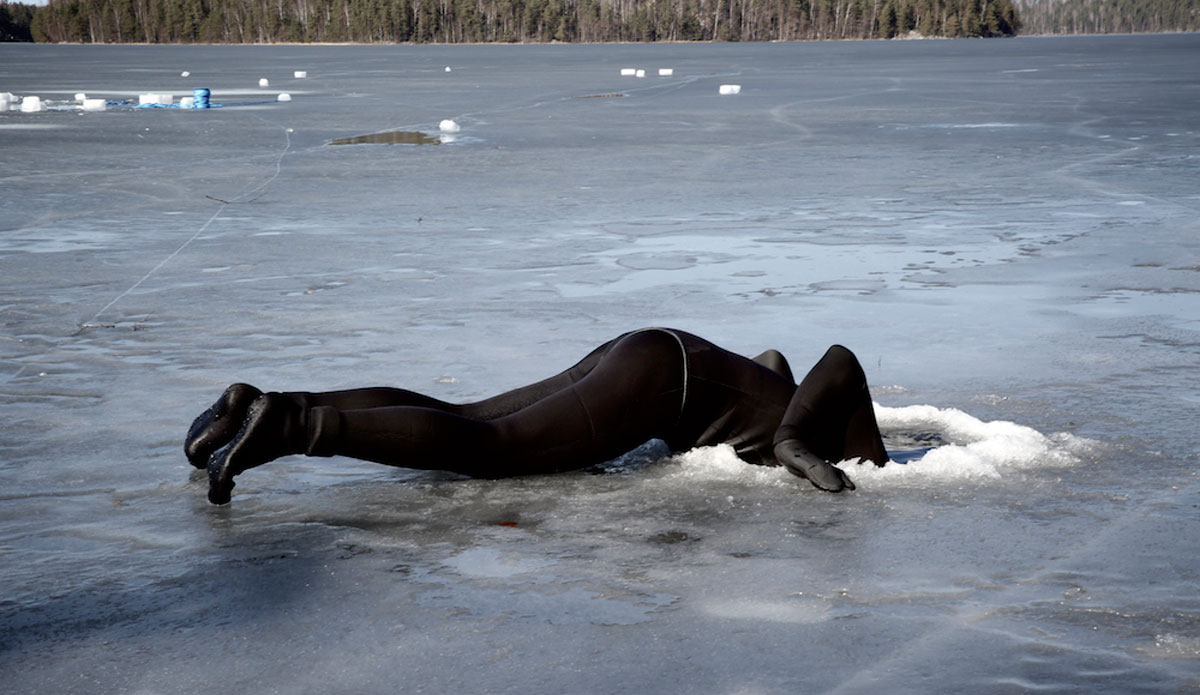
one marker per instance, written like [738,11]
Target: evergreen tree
[16,22]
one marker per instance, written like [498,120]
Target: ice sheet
[1004,232]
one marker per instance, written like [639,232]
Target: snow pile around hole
[721,464]
[970,447]
[950,445]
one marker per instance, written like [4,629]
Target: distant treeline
[1108,16]
[488,21]
[491,21]
[15,21]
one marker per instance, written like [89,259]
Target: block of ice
[300,74]
[641,73]
[730,89]
[185,73]
[154,98]
[628,72]
[449,126]
[80,96]
[5,101]
[447,68]
[94,104]
[31,104]
[284,97]
[666,72]
[264,82]
[186,102]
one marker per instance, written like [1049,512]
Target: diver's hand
[800,461]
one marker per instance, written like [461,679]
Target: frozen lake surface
[1005,231]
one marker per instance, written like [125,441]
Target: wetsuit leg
[839,422]
[487,409]
[279,424]
[633,393]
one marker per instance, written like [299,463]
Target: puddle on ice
[490,562]
[796,610]
[392,137]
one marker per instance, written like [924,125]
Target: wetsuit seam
[684,354]
[683,396]
[586,412]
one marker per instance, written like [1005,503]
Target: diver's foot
[217,425]
[272,428]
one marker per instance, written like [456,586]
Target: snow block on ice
[155,99]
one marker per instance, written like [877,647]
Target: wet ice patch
[491,583]
[1170,646]
[967,447]
[799,611]
[489,562]
[953,126]
[29,126]
[60,239]
[556,605]
[957,126]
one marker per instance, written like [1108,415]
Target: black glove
[800,461]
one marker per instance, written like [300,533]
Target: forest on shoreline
[511,21]
[588,21]
[1056,17]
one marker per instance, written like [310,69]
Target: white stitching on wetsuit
[683,351]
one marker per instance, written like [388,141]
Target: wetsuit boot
[275,425]
[216,426]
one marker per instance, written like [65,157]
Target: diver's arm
[792,453]
[802,462]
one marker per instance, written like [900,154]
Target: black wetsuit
[653,383]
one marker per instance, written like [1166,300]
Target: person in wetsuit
[654,383]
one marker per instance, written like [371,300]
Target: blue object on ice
[903,456]
[200,100]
